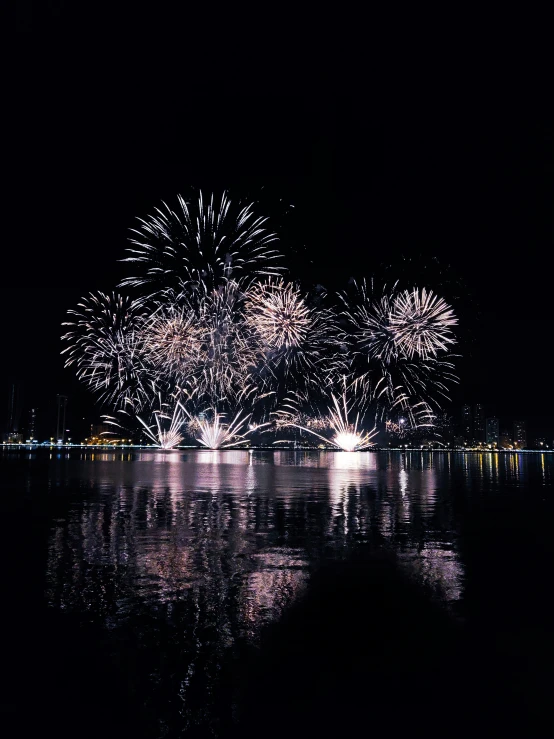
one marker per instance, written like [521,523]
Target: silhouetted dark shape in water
[364,652]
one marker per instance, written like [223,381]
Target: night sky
[451,169]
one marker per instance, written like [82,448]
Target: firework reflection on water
[207,550]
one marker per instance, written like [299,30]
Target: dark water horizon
[233,593]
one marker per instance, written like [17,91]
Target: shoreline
[152,448]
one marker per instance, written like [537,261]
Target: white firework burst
[422,322]
[227,354]
[397,362]
[166,433]
[278,313]
[172,339]
[215,434]
[298,342]
[344,422]
[163,427]
[211,430]
[207,240]
[215,317]
[104,343]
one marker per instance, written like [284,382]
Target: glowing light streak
[422,322]
[279,314]
[223,323]
[214,434]
[167,430]
[203,241]
[346,435]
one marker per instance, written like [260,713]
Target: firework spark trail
[369,319]
[221,321]
[398,337]
[299,342]
[279,314]
[165,438]
[214,434]
[397,429]
[422,322]
[203,241]
[217,435]
[104,344]
[166,431]
[227,352]
[374,332]
[347,434]
[406,384]
[172,339]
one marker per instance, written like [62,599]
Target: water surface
[161,581]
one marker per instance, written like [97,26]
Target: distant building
[493,432]
[466,422]
[33,424]
[60,425]
[442,428]
[105,434]
[520,434]
[101,429]
[506,439]
[12,437]
[479,433]
[540,443]
[14,408]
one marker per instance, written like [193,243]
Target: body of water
[239,593]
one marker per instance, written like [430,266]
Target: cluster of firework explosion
[213,343]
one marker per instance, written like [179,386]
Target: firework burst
[217,435]
[206,240]
[212,432]
[227,352]
[164,427]
[171,339]
[215,317]
[166,433]
[344,418]
[278,313]
[103,342]
[395,341]
[422,322]
[298,342]
[370,326]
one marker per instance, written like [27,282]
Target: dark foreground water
[219,594]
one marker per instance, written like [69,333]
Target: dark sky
[457,165]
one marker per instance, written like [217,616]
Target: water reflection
[169,517]
[216,545]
